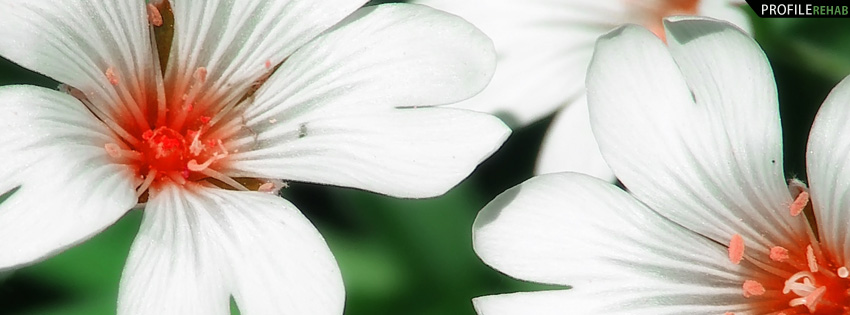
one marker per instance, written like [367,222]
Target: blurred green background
[415,256]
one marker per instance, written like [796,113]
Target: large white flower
[248,91]
[710,226]
[544,47]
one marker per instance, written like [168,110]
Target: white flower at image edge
[544,47]
[250,92]
[709,225]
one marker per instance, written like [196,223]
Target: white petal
[281,264]
[400,152]
[726,10]
[62,187]
[609,300]
[538,303]
[77,42]
[175,265]
[544,47]
[199,244]
[572,229]
[240,42]
[828,161]
[381,57]
[328,114]
[711,160]
[569,145]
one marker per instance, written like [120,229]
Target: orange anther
[779,254]
[110,75]
[268,64]
[799,204]
[753,288]
[154,16]
[201,75]
[113,150]
[811,259]
[736,249]
[266,187]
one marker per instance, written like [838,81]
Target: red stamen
[799,204]
[154,16]
[266,187]
[753,288]
[201,75]
[113,150]
[110,75]
[811,259]
[736,249]
[779,254]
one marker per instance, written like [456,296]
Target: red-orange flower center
[799,281]
[164,150]
[176,152]
[180,125]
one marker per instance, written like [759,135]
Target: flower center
[820,287]
[185,153]
[177,128]
[801,282]
[165,150]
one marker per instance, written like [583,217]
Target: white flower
[544,47]
[710,226]
[314,91]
